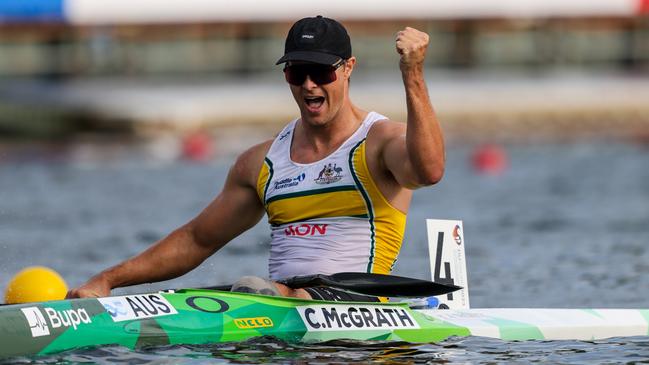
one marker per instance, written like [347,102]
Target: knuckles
[411,40]
[72,294]
[80,293]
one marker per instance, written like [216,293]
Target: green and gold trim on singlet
[387,223]
[368,202]
[312,192]
[318,203]
[264,179]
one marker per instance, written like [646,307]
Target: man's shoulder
[257,151]
[249,162]
[385,129]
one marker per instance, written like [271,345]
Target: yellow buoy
[35,284]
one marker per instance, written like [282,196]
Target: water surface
[567,225]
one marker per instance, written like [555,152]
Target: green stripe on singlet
[312,192]
[270,176]
[368,204]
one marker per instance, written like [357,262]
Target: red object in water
[198,146]
[490,159]
[643,7]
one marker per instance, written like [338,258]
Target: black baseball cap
[318,40]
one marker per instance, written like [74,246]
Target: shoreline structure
[474,106]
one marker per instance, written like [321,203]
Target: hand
[411,45]
[93,288]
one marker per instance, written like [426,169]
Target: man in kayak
[336,183]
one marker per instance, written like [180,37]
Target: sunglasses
[319,74]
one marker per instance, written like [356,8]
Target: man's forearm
[424,139]
[171,257]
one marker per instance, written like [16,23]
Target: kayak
[198,316]
[216,315]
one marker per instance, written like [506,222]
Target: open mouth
[314,102]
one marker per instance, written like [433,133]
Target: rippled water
[470,350]
[566,226]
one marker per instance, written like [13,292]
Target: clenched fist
[411,45]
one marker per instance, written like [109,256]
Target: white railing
[129,11]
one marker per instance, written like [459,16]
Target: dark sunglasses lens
[321,75]
[294,75]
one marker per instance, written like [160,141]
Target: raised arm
[415,157]
[234,210]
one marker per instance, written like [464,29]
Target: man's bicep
[397,162]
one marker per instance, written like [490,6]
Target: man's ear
[349,66]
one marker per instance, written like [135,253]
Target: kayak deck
[206,316]
[547,324]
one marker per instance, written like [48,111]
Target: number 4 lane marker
[447,260]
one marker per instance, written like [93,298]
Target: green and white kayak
[191,316]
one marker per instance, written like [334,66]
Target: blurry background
[506,68]
[119,119]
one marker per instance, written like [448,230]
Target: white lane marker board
[448,261]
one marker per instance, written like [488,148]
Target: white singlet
[327,216]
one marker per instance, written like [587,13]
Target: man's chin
[314,119]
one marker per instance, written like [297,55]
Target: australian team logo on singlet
[329,174]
